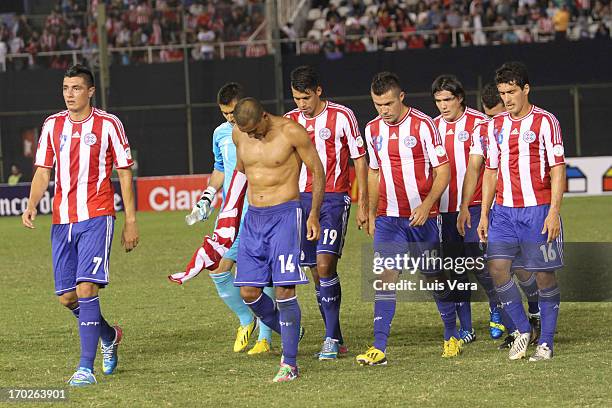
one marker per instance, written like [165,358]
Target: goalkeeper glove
[203,208]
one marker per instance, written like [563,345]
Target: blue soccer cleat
[496,327]
[109,352]
[467,336]
[330,349]
[82,378]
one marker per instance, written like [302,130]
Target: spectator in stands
[15,175]
[561,20]
[3,52]
[310,46]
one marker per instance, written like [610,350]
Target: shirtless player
[270,151]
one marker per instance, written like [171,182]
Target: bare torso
[271,164]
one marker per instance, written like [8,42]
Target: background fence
[169,110]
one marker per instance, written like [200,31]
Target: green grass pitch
[177,349]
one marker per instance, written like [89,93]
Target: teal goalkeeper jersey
[225,154]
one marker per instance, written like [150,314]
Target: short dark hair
[304,78]
[450,83]
[82,71]
[513,72]
[384,82]
[248,111]
[232,91]
[490,97]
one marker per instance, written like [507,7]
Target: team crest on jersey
[499,135]
[463,136]
[558,150]
[63,139]
[440,151]
[529,136]
[89,139]
[377,142]
[410,141]
[325,133]
[359,141]
[128,153]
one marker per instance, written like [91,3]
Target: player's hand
[129,236]
[419,215]
[372,224]
[28,217]
[552,225]
[204,205]
[483,228]
[463,218]
[363,216]
[313,229]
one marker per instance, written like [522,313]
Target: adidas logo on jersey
[393,136]
[450,132]
[76,135]
[515,132]
[310,129]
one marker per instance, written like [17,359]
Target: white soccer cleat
[543,352]
[519,346]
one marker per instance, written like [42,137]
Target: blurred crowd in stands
[333,27]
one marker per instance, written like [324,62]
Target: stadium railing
[151,54]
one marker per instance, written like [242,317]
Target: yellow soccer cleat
[452,347]
[243,335]
[372,356]
[262,346]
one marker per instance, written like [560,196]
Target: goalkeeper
[225,162]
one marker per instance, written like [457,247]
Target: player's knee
[250,294]
[326,266]
[87,289]
[545,279]
[69,300]
[285,292]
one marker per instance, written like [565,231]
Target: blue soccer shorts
[394,236]
[515,232]
[81,252]
[270,246]
[335,211]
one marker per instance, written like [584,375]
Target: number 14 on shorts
[288,265]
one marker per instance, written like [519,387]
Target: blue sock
[265,309]
[230,294]
[446,307]
[550,298]
[330,300]
[530,289]
[464,312]
[290,322]
[507,321]
[511,301]
[384,310]
[318,295]
[107,333]
[338,334]
[486,282]
[89,330]
[463,298]
[264,331]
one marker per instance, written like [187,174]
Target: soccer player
[456,123]
[82,144]
[270,151]
[334,132]
[225,162]
[526,160]
[408,173]
[500,322]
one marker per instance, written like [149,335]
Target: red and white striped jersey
[405,153]
[336,136]
[83,154]
[456,139]
[524,150]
